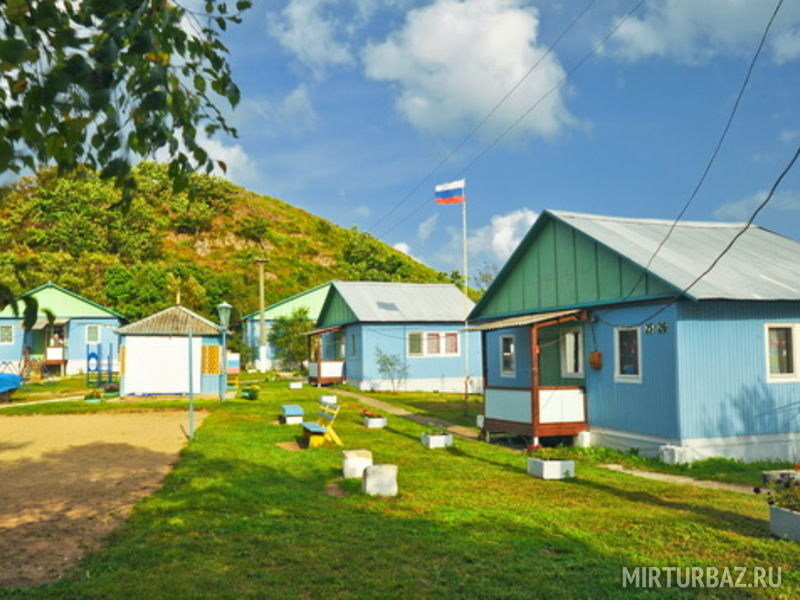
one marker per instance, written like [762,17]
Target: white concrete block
[673,455]
[328,399]
[437,440]
[479,421]
[583,440]
[295,385]
[354,462]
[375,422]
[380,480]
[551,469]
[293,420]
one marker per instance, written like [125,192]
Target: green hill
[134,259]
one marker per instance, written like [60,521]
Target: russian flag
[451,193]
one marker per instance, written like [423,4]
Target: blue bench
[317,433]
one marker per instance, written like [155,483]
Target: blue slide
[9,382]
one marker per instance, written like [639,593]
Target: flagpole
[465,280]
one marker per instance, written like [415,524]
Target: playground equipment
[8,383]
[99,365]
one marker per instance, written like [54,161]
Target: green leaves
[104,83]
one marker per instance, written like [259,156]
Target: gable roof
[64,303]
[312,298]
[761,265]
[175,320]
[387,302]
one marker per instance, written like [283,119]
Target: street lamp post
[262,330]
[224,312]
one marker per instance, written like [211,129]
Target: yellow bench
[317,433]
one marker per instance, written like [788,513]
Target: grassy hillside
[134,259]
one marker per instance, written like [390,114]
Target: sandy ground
[66,481]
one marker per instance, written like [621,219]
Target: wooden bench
[321,431]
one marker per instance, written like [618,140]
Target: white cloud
[309,30]
[363,211]
[241,168]
[740,210]
[403,247]
[787,136]
[452,61]
[427,227]
[492,243]
[292,114]
[693,31]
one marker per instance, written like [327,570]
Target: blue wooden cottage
[156,353]
[61,345]
[630,353]
[420,326]
[310,299]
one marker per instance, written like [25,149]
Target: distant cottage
[310,299]
[581,334]
[62,346]
[155,355]
[420,326]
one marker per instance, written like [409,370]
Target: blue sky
[348,104]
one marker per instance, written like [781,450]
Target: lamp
[224,312]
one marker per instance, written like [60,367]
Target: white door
[160,365]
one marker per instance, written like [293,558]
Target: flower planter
[479,421]
[295,385]
[551,469]
[784,523]
[374,422]
[437,440]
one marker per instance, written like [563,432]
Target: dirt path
[66,481]
[682,479]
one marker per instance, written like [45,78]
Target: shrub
[782,491]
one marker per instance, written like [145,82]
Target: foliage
[69,230]
[286,336]
[484,276]
[108,82]
[250,392]
[392,367]
[782,491]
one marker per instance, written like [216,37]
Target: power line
[488,116]
[541,98]
[724,251]
[716,149]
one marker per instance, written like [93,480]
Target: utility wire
[724,251]
[513,125]
[488,116]
[716,149]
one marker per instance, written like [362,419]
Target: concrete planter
[328,399]
[479,421]
[295,385]
[437,440]
[354,462]
[784,523]
[380,480]
[551,469]
[374,422]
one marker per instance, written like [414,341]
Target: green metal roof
[63,303]
[312,299]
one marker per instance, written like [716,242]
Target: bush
[250,392]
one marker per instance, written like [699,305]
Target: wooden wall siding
[522,341]
[550,356]
[562,267]
[722,370]
[210,360]
[335,311]
[649,407]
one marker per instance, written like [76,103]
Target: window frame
[10,342]
[99,333]
[579,373]
[624,377]
[424,344]
[513,371]
[794,329]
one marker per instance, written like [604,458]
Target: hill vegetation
[135,257]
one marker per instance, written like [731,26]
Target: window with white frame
[782,351]
[433,343]
[572,354]
[627,354]
[93,334]
[6,334]
[508,356]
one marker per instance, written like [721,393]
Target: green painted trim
[289,299]
[522,249]
[333,295]
[50,284]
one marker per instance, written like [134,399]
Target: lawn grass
[74,385]
[449,407]
[240,517]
